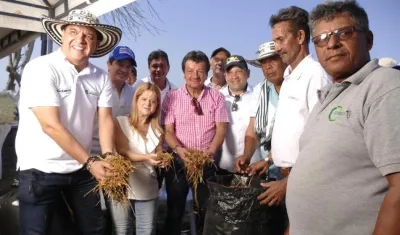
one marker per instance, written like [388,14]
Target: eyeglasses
[342,34]
[197,107]
[235,106]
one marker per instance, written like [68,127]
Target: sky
[239,26]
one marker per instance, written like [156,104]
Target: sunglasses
[197,107]
[235,106]
[342,34]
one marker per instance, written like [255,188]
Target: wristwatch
[268,160]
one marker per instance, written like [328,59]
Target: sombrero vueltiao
[111,35]
[265,50]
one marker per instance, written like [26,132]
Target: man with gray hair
[346,179]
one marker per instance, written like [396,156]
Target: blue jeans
[145,215]
[40,192]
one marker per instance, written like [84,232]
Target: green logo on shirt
[336,113]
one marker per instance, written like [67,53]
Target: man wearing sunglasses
[195,117]
[238,96]
[347,177]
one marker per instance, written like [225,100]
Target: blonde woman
[138,137]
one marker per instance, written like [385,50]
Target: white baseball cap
[265,50]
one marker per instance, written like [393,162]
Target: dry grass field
[6,110]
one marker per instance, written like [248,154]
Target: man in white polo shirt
[60,94]
[158,63]
[302,79]
[238,96]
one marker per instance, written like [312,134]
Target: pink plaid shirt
[192,130]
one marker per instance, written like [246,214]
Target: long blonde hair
[154,118]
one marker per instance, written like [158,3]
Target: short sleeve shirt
[349,145]
[297,97]
[192,130]
[51,80]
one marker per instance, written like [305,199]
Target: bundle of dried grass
[197,159]
[117,186]
[165,158]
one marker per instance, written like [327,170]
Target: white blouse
[143,179]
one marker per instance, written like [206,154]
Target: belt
[285,171]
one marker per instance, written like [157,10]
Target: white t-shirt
[233,145]
[51,80]
[122,105]
[143,180]
[168,87]
[297,97]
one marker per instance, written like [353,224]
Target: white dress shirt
[297,97]
[143,180]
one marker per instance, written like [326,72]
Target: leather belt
[285,171]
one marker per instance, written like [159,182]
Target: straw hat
[110,35]
[265,50]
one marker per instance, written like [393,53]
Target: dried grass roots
[116,187]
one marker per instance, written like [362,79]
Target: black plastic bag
[234,209]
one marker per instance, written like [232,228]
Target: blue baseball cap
[123,53]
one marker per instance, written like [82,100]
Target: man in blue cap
[119,64]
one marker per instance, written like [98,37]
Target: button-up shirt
[192,130]
[238,121]
[297,98]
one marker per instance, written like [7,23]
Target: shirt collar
[300,68]
[209,83]
[225,90]
[205,89]
[362,73]
[168,87]
[89,69]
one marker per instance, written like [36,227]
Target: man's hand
[182,152]
[274,194]
[241,164]
[257,168]
[101,170]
